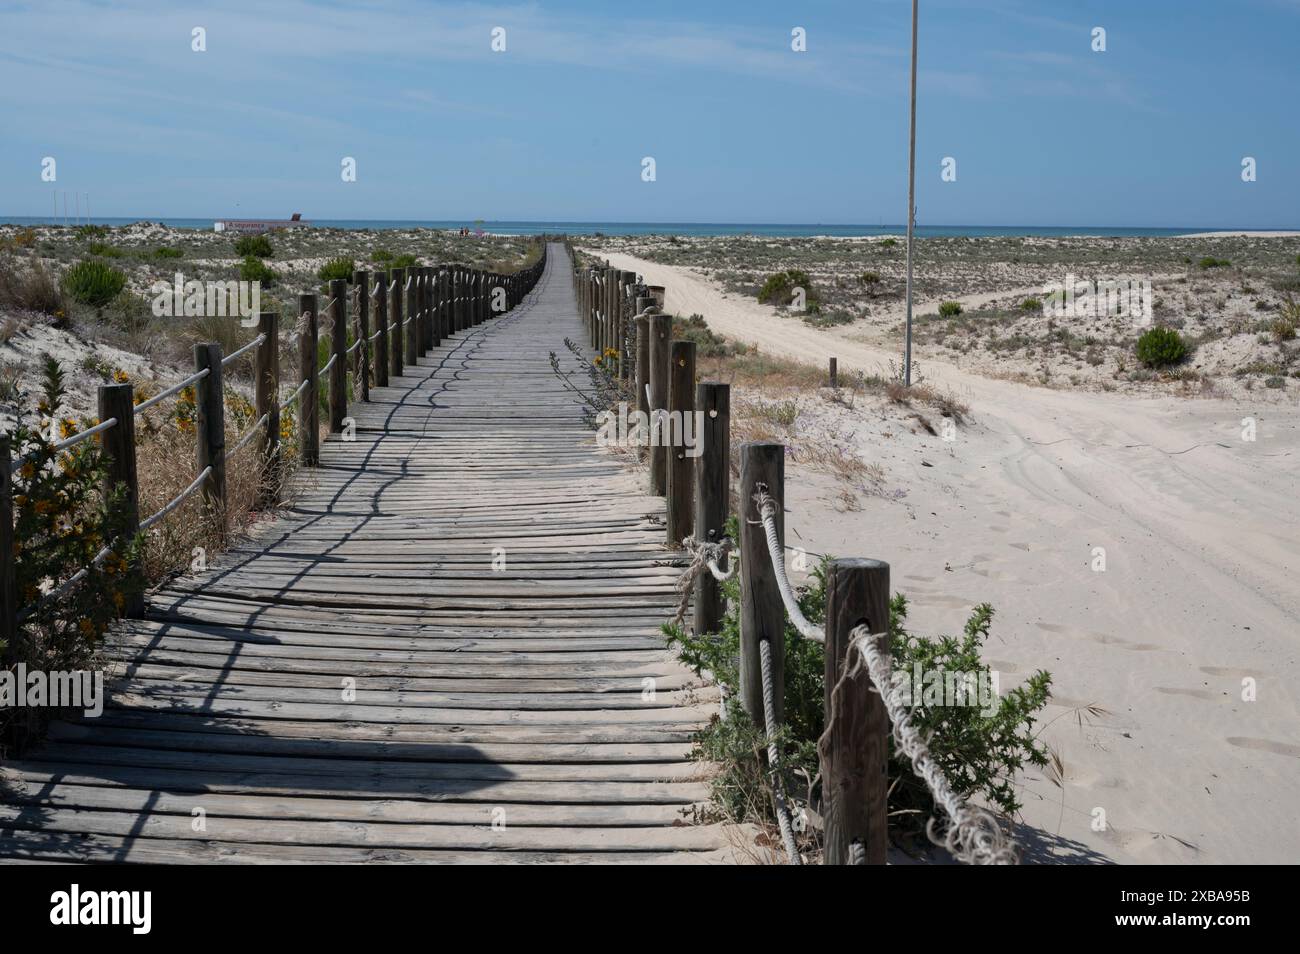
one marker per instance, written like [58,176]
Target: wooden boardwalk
[500,713]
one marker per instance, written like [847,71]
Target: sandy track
[1201,533]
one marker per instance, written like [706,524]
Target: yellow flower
[67,427]
[119,601]
[28,470]
[120,376]
[87,627]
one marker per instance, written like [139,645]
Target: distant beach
[699,229]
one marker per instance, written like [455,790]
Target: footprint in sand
[1265,745]
[1229,673]
[920,579]
[1194,693]
[1104,638]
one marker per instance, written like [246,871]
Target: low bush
[779,289]
[253,269]
[256,245]
[707,343]
[336,268]
[1161,347]
[92,282]
[29,286]
[979,748]
[949,309]
[165,252]
[1211,262]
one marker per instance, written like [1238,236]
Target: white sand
[1245,234]
[1201,532]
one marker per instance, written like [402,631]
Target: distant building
[254,226]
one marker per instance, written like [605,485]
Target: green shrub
[336,268]
[1211,262]
[404,261]
[1161,347]
[870,279]
[91,231]
[92,282]
[707,343]
[105,251]
[889,243]
[1031,304]
[779,288]
[253,269]
[979,750]
[381,255]
[31,287]
[949,309]
[61,522]
[256,245]
[165,252]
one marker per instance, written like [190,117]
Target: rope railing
[176,388]
[236,355]
[177,500]
[433,290]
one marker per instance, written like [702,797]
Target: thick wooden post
[412,336]
[681,459]
[712,494]
[210,428]
[856,754]
[308,370]
[381,326]
[834,376]
[338,379]
[762,614]
[361,279]
[395,322]
[625,332]
[8,578]
[266,390]
[117,446]
[658,293]
[661,329]
[640,401]
[434,307]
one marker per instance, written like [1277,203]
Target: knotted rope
[704,556]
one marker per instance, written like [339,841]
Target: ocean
[662,228]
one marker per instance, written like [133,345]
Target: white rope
[248,347]
[65,586]
[973,835]
[295,395]
[330,363]
[392,284]
[178,500]
[704,555]
[355,345]
[769,731]
[248,436]
[767,511]
[381,331]
[174,389]
[375,292]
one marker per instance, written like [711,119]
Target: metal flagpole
[911,210]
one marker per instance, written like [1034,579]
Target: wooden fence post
[834,374]
[395,322]
[412,336]
[435,307]
[381,326]
[641,403]
[338,381]
[8,580]
[361,279]
[854,762]
[117,447]
[210,429]
[681,466]
[266,401]
[661,330]
[712,494]
[309,402]
[658,293]
[762,614]
[625,315]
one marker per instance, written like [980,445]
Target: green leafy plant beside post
[980,748]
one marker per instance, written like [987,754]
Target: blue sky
[1044,131]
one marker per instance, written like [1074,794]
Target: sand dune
[1198,594]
